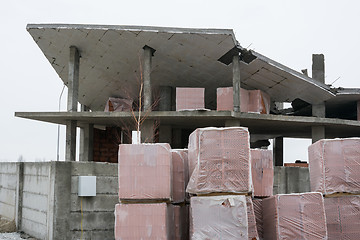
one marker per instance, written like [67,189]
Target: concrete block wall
[8,184]
[291,180]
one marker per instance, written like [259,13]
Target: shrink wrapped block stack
[258,211]
[219,161]
[118,105]
[180,174]
[190,99]
[144,221]
[255,101]
[181,215]
[343,217]
[334,165]
[252,228]
[294,216]
[218,217]
[262,172]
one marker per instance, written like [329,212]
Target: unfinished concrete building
[99,62]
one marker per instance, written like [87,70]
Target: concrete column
[148,53]
[176,138]
[86,140]
[70,150]
[358,110]
[165,134]
[278,151]
[232,123]
[318,67]
[147,131]
[165,98]
[317,133]
[236,82]
[19,194]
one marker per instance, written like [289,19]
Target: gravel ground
[10,236]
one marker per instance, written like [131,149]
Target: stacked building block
[262,172]
[255,101]
[334,166]
[190,99]
[252,228]
[258,211]
[118,105]
[294,216]
[180,174]
[219,161]
[181,220]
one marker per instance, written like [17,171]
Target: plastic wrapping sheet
[180,174]
[258,211]
[181,215]
[262,172]
[294,216]
[343,217]
[145,171]
[334,165]
[190,99]
[218,217]
[219,160]
[252,229]
[118,105]
[152,221]
[250,100]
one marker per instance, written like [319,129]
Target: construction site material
[294,216]
[180,174]
[335,165]
[258,211]
[190,99]
[252,229]
[145,171]
[291,180]
[181,222]
[144,221]
[218,217]
[296,164]
[219,161]
[262,172]
[255,101]
[118,105]
[343,217]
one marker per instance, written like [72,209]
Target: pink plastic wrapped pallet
[118,105]
[219,160]
[257,203]
[334,165]
[218,217]
[181,214]
[343,217]
[252,230]
[180,174]
[262,172]
[250,100]
[294,216]
[145,171]
[144,221]
[190,99]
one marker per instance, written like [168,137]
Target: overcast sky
[286,31]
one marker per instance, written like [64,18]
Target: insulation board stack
[294,216]
[255,101]
[118,105]
[262,172]
[190,99]
[150,178]
[219,163]
[334,166]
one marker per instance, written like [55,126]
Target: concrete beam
[318,67]
[73,80]
[278,151]
[70,151]
[165,98]
[148,53]
[236,82]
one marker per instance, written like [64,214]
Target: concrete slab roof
[111,60]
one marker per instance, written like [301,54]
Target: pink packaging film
[262,172]
[250,100]
[218,217]
[151,221]
[180,174]
[118,105]
[258,211]
[294,216]
[343,217]
[190,98]
[181,215]
[252,229]
[334,165]
[145,171]
[219,161]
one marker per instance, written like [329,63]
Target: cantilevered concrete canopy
[111,58]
